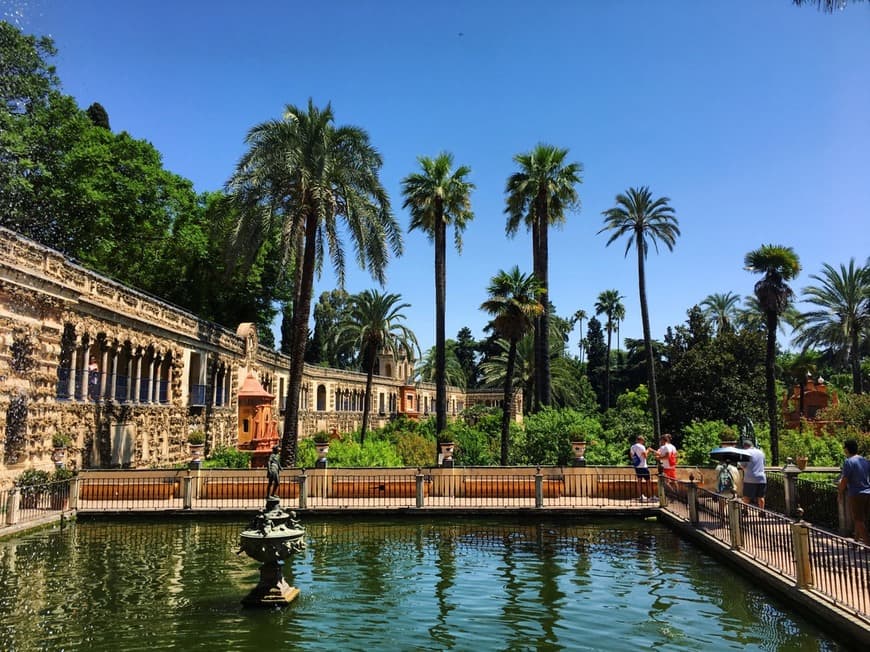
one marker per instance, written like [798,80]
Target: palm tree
[579,317]
[608,303]
[721,310]
[618,316]
[644,220]
[843,317]
[513,304]
[778,264]
[538,195]
[300,176]
[372,325]
[435,197]
[454,374]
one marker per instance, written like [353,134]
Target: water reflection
[473,584]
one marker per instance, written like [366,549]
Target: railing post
[419,479]
[74,484]
[303,490]
[12,508]
[187,490]
[800,539]
[663,495]
[692,499]
[734,507]
[539,488]
[790,472]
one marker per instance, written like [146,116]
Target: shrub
[549,434]
[196,437]
[414,449]
[821,450]
[61,440]
[32,482]
[699,438]
[228,457]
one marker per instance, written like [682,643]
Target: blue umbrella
[730,454]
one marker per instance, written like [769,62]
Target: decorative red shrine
[258,432]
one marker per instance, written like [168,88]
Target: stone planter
[196,452]
[579,448]
[801,461]
[446,449]
[322,449]
[59,457]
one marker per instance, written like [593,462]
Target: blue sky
[752,116]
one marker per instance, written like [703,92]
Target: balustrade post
[539,488]
[663,495]
[13,506]
[187,490]
[74,484]
[800,539]
[734,507]
[692,500]
[303,490]
[790,472]
[419,478]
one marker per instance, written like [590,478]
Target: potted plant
[60,441]
[321,443]
[59,488]
[196,441]
[801,461]
[32,484]
[446,449]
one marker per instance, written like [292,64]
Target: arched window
[321,398]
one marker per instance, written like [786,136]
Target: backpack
[635,459]
[726,482]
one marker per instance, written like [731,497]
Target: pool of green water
[470,584]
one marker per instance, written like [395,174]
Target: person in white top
[637,454]
[667,455]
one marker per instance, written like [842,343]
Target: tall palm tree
[778,264]
[513,304]
[436,197]
[373,324]
[721,310]
[842,321]
[315,181]
[644,220]
[618,316]
[538,195]
[579,317]
[608,303]
[454,374]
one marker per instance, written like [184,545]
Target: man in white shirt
[638,453]
[754,478]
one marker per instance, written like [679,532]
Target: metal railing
[840,570]
[35,502]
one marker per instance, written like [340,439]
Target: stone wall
[127,376]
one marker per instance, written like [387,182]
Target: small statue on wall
[273,471]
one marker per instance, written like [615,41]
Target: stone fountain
[272,536]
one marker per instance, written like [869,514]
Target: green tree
[314,180]
[841,320]
[513,304]
[538,195]
[454,374]
[721,310]
[644,220]
[466,353]
[98,116]
[373,324]
[778,264]
[609,303]
[436,197]
[324,348]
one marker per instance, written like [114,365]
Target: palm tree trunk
[607,369]
[855,355]
[538,327]
[647,339]
[440,339]
[770,377]
[507,401]
[543,350]
[301,308]
[367,401]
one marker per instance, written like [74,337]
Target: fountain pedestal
[271,537]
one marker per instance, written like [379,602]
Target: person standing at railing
[754,477]
[855,481]
[638,453]
[667,455]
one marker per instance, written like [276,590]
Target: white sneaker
[643,498]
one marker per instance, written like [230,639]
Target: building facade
[126,377]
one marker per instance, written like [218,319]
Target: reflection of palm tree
[644,220]
[514,305]
[372,324]
[538,195]
[306,174]
[778,264]
[842,316]
[608,303]
[721,310]
[438,196]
